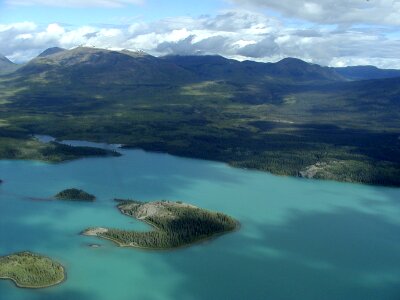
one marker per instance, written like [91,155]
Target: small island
[75,195]
[28,270]
[175,224]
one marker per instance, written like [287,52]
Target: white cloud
[24,36]
[235,34]
[22,26]
[76,3]
[333,11]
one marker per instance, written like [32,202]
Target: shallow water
[299,239]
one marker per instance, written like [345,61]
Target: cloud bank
[334,11]
[234,34]
[76,3]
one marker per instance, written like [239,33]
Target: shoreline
[228,163]
[231,164]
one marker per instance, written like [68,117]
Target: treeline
[65,151]
[366,157]
[28,148]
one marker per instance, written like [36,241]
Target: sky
[327,32]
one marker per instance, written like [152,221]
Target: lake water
[299,239]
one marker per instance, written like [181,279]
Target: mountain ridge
[51,51]
[179,68]
[210,66]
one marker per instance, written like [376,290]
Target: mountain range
[207,66]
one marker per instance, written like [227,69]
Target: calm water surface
[299,239]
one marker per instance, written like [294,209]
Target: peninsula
[175,224]
[29,270]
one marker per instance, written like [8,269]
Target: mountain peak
[137,53]
[51,51]
[292,61]
[104,66]
[299,69]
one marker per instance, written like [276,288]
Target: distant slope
[210,67]
[366,72]
[6,66]
[218,67]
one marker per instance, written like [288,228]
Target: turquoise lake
[299,239]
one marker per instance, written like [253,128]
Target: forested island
[175,224]
[75,195]
[29,270]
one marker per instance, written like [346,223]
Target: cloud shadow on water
[54,293]
[343,254]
